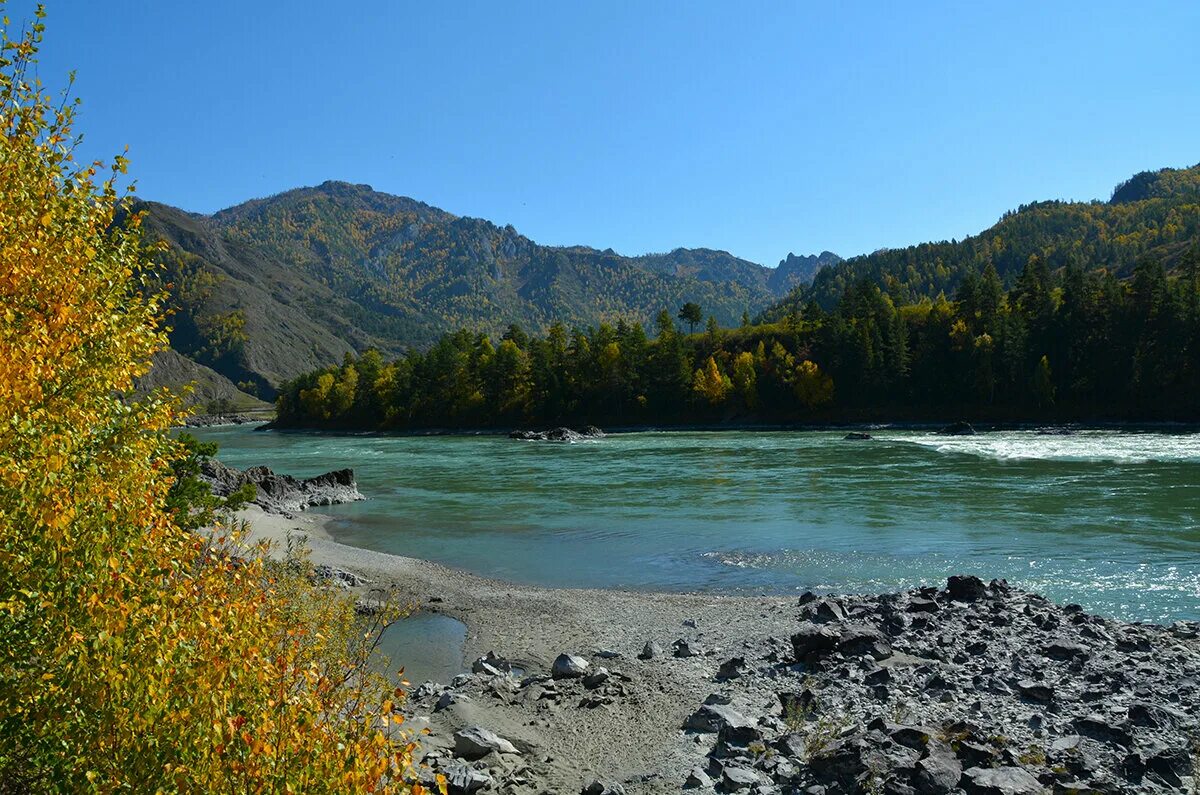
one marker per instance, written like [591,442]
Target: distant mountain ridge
[1154,213]
[275,287]
[794,271]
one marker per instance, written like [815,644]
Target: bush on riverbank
[136,655]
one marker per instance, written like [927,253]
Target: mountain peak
[793,270]
[1158,184]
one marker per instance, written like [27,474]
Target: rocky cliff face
[793,271]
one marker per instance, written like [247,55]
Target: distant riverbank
[1162,426]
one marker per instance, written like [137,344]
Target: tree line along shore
[1070,344]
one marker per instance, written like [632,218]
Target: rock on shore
[281,493]
[971,688]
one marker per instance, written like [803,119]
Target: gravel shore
[959,687]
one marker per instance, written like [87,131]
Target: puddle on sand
[429,646]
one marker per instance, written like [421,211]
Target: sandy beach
[531,626]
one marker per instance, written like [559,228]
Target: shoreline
[1154,426]
[637,727]
[530,626]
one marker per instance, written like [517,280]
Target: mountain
[276,287]
[1154,213]
[211,392]
[794,271]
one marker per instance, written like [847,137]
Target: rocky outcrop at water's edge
[277,493]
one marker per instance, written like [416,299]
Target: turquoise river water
[1108,519]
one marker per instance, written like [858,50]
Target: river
[1107,519]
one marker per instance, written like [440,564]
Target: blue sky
[755,127]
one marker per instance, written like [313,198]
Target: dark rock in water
[276,493]
[559,434]
[856,436]
[965,588]
[959,428]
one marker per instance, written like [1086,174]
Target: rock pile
[969,688]
[975,688]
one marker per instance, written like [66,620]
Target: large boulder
[476,742]
[937,773]
[814,640]
[462,779]
[720,718]
[568,666]
[965,588]
[864,641]
[1000,781]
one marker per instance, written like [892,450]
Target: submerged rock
[559,434]
[960,428]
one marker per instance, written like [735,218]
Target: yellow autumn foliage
[135,656]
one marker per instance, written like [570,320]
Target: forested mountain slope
[276,287]
[1155,213]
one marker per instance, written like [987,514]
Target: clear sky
[755,127]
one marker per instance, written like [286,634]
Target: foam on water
[1098,446]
